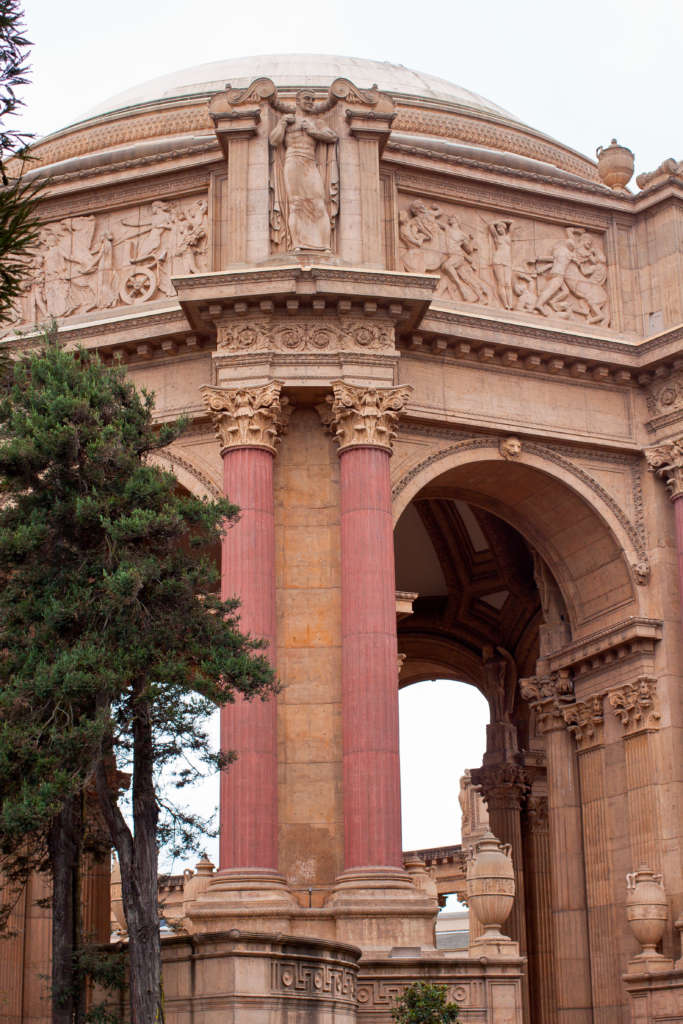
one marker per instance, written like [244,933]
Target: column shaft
[570,928]
[248,796]
[678,513]
[372,798]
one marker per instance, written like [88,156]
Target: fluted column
[634,704]
[548,696]
[585,720]
[247,422]
[363,420]
[539,905]
[666,460]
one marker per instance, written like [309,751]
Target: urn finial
[615,165]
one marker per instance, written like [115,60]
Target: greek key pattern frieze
[383,994]
[299,977]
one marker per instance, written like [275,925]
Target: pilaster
[549,696]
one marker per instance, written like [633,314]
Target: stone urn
[647,910]
[615,165]
[490,885]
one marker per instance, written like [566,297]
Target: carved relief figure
[431,245]
[148,253]
[97,262]
[305,177]
[501,260]
[459,264]
[192,238]
[522,265]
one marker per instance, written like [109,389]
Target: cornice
[135,337]
[592,188]
[633,636]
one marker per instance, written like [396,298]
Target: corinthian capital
[584,720]
[666,460]
[548,696]
[363,416]
[502,785]
[635,706]
[247,417]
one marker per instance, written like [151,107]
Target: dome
[293,71]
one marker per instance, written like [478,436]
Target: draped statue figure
[304,178]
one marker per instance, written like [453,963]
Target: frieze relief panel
[305,334]
[512,263]
[102,261]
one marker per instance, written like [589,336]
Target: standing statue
[304,178]
[501,260]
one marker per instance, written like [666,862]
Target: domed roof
[298,70]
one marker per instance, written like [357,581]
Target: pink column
[248,794]
[372,796]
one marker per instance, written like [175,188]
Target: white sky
[582,71]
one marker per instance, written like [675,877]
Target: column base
[239,895]
[381,908]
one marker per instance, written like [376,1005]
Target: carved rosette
[635,705]
[585,720]
[248,417]
[666,460]
[305,335]
[502,785]
[358,417]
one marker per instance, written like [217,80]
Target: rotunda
[436,360]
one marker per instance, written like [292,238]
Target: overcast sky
[583,72]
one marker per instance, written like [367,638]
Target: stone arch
[595,553]
[195,480]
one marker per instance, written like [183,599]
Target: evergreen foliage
[18,216]
[114,647]
[423,1003]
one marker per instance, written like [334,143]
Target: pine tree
[18,214]
[114,648]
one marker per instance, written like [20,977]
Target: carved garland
[641,568]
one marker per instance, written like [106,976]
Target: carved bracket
[248,417]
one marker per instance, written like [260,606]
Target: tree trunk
[138,860]
[64,840]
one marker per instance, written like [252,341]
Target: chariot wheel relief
[138,286]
